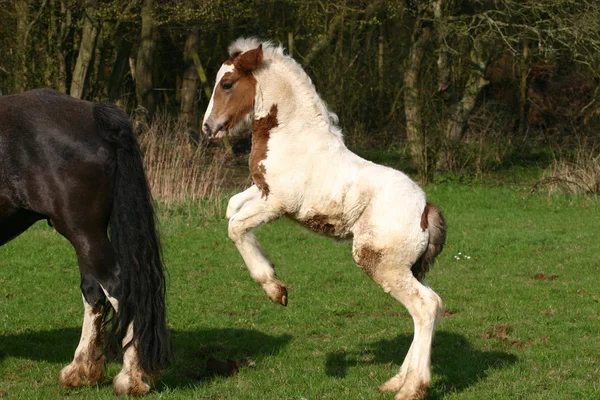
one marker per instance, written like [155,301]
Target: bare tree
[89,36]
[415,134]
[189,86]
[143,66]
[26,18]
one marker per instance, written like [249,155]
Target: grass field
[522,311]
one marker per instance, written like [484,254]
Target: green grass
[522,321]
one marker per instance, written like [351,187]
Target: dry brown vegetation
[178,169]
[576,173]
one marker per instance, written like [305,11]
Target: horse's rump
[39,143]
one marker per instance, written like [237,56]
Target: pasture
[519,276]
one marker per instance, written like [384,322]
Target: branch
[34,21]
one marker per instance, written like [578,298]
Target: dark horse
[77,165]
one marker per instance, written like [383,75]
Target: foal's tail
[136,244]
[433,220]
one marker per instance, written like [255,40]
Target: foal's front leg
[237,202]
[252,212]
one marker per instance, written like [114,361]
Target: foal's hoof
[77,374]
[417,393]
[277,292]
[282,296]
[405,391]
[392,385]
[125,384]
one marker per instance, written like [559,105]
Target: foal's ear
[250,60]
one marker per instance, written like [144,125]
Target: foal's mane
[276,53]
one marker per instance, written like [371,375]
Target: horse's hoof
[127,385]
[77,374]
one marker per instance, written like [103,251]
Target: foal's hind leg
[385,267]
[254,211]
[425,307]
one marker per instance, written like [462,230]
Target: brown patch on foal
[319,223]
[235,92]
[424,222]
[260,139]
[236,102]
[249,60]
[368,258]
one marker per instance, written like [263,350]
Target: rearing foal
[301,168]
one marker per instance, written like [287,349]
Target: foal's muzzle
[211,129]
[206,129]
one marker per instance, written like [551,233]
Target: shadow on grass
[456,363]
[199,355]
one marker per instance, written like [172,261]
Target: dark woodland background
[450,86]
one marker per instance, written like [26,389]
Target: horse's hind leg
[252,212]
[95,261]
[385,267]
[131,380]
[99,280]
[87,367]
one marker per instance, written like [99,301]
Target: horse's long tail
[134,237]
[433,220]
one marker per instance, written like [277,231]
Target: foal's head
[232,100]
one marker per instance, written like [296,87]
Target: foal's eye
[227,85]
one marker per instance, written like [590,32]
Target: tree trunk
[189,86]
[51,46]
[334,26]
[143,67]
[119,69]
[89,35]
[443,57]
[61,54]
[523,90]
[22,11]
[380,61]
[415,134]
[461,110]
[202,76]
[290,36]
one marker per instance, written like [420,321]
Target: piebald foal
[301,168]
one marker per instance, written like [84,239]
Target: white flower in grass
[460,256]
